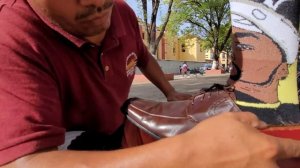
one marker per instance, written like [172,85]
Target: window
[223,56]
[182,47]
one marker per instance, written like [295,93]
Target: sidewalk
[178,77]
[141,79]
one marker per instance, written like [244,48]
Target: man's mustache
[92,9]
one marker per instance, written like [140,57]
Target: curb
[141,79]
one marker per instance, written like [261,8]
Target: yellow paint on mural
[287,89]
[258,105]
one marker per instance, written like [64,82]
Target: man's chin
[90,33]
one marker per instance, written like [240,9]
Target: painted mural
[265,48]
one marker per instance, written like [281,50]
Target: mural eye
[245,47]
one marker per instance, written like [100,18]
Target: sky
[134,5]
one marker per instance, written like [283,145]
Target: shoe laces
[214,89]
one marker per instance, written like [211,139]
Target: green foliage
[207,19]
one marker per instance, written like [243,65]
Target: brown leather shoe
[166,119]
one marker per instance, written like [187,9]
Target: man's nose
[91,2]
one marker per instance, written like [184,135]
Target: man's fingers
[288,148]
[250,119]
[283,148]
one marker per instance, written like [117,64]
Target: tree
[151,27]
[208,19]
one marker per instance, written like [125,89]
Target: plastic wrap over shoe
[166,119]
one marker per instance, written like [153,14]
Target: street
[186,85]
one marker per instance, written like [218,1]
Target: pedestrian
[184,68]
[68,66]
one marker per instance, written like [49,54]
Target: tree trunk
[151,28]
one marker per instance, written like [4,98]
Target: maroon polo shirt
[52,81]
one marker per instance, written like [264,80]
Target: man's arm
[154,73]
[132,157]
[229,140]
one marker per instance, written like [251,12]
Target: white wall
[173,66]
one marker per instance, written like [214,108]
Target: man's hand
[174,95]
[231,140]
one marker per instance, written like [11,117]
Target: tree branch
[226,38]
[165,22]
[145,15]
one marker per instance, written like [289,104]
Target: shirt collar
[117,27]
[116,30]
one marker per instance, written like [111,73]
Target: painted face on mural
[259,63]
[265,42]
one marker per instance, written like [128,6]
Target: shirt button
[106,68]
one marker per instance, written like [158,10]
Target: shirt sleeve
[30,109]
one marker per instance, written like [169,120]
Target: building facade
[183,49]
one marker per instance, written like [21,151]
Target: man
[68,65]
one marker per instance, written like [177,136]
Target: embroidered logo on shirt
[131,62]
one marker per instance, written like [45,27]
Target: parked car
[206,66]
